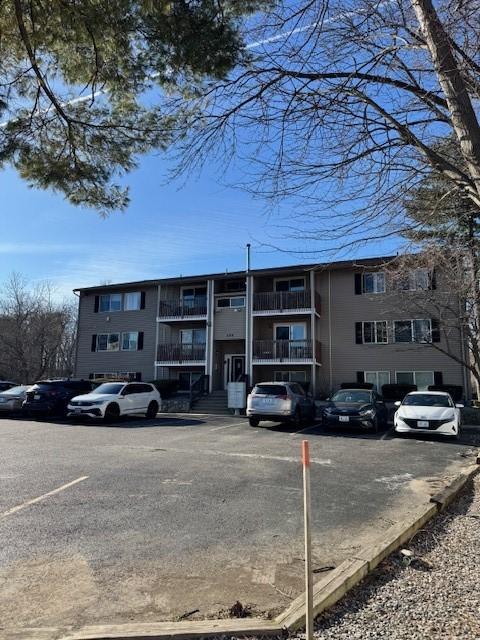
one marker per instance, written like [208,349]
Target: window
[291,332]
[371,332]
[414,331]
[193,336]
[422,379]
[374,282]
[289,376]
[377,378]
[416,280]
[187,378]
[108,341]
[190,296]
[235,285]
[132,301]
[238,301]
[130,341]
[290,284]
[111,302]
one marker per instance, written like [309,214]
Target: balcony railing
[285,350]
[181,308]
[177,352]
[282,300]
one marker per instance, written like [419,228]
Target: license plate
[344,418]
[268,400]
[77,411]
[37,396]
[423,424]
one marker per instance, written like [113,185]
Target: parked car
[279,402]
[362,408]
[428,412]
[6,384]
[51,397]
[114,399]
[12,399]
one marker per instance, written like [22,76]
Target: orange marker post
[308,542]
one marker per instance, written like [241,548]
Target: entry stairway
[215,403]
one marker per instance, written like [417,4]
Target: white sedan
[114,399]
[428,412]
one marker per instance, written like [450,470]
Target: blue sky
[199,226]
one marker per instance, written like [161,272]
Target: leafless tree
[341,107]
[37,334]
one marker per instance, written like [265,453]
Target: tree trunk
[464,119]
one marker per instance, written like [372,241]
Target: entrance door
[233,368]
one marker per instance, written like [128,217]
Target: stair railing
[198,388]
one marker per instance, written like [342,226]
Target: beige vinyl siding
[229,323]
[347,357]
[91,323]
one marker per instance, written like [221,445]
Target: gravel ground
[437,596]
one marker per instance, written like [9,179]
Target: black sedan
[356,407]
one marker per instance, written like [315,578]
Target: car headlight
[95,402]
[367,413]
[327,410]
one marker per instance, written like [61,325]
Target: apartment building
[322,324]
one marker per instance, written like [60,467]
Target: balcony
[298,351]
[178,353]
[179,308]
[269,302]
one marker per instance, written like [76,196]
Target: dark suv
[51,397]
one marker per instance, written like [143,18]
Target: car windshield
[270,390]
[109,387]
[352,396]
[14,391]
[426,400]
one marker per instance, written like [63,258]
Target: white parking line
[42,497]
[312,426]
[226,426]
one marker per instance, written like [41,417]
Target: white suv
[114,399]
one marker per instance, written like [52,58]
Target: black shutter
[358,284]
[433,280]
[142,300]
[94,342]
[96,304]
[360,376]
[358,333]
[138,376]
[435,331]
[140,341]
[437,377]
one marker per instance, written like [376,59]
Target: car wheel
[152,409]
[253,422]
[112,412]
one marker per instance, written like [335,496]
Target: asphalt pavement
[183,516]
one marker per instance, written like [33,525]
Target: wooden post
[308,542]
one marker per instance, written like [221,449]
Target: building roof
[295,268]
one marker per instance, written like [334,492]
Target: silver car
[12,399]
[280,402]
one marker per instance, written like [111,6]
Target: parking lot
[183,516]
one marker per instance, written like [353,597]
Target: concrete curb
[331,588]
